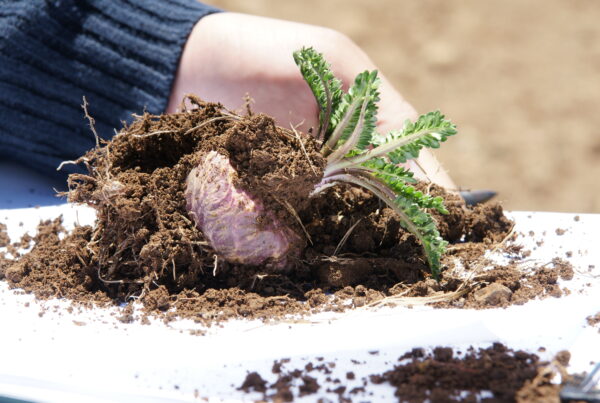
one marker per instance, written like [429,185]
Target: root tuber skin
[236,224]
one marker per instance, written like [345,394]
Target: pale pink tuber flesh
[235,223]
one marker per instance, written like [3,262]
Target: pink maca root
[234,222]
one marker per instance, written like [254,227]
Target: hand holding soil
[229,56]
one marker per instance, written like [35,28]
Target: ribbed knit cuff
[121,55]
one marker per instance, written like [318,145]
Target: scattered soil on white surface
[145,247]
[12,248]
[441,375]
[594,320]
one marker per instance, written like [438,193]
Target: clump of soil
[437,376]
[254,382]
[4,241]
[282,389]
[145,246]
[442,376]
[594,320]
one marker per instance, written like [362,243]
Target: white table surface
[52,358]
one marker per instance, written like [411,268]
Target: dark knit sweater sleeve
[121,55]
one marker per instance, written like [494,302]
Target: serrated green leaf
[326,88]
[434,128]
[364,91]
[399,146]
[398,178]
[419,198]
[388,171]
[423,227]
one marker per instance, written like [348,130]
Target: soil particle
[539,390]
[283,394]
[276,369]
[560,231]
[593,320]
[254,382]
[25,241]
[443,354]
[4,238]
[309,386]
[144,245]
[564,268]
[563,357]
[4,241]
[493,294]
[158,299]
[127,315]
[357,390]
[4,263]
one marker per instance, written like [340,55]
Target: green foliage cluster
[348,122]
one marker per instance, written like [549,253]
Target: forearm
[121,56]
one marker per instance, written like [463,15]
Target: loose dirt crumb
[254,382]
[593,320]
[127,315]
[4,238]
[563,357]
[493,294]
[309,386]
[4,241]
[4,263]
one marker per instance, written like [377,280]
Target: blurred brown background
[521,79]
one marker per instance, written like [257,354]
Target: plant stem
[339,129]
[345,148]
[325,123]
[377,152]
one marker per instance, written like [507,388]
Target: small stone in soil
[493,294]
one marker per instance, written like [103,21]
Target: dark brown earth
[145,247]
[441,377]
[438,376]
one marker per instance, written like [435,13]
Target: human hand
[229,55]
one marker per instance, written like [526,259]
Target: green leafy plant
[358,155]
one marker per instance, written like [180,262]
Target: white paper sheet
[53,358]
